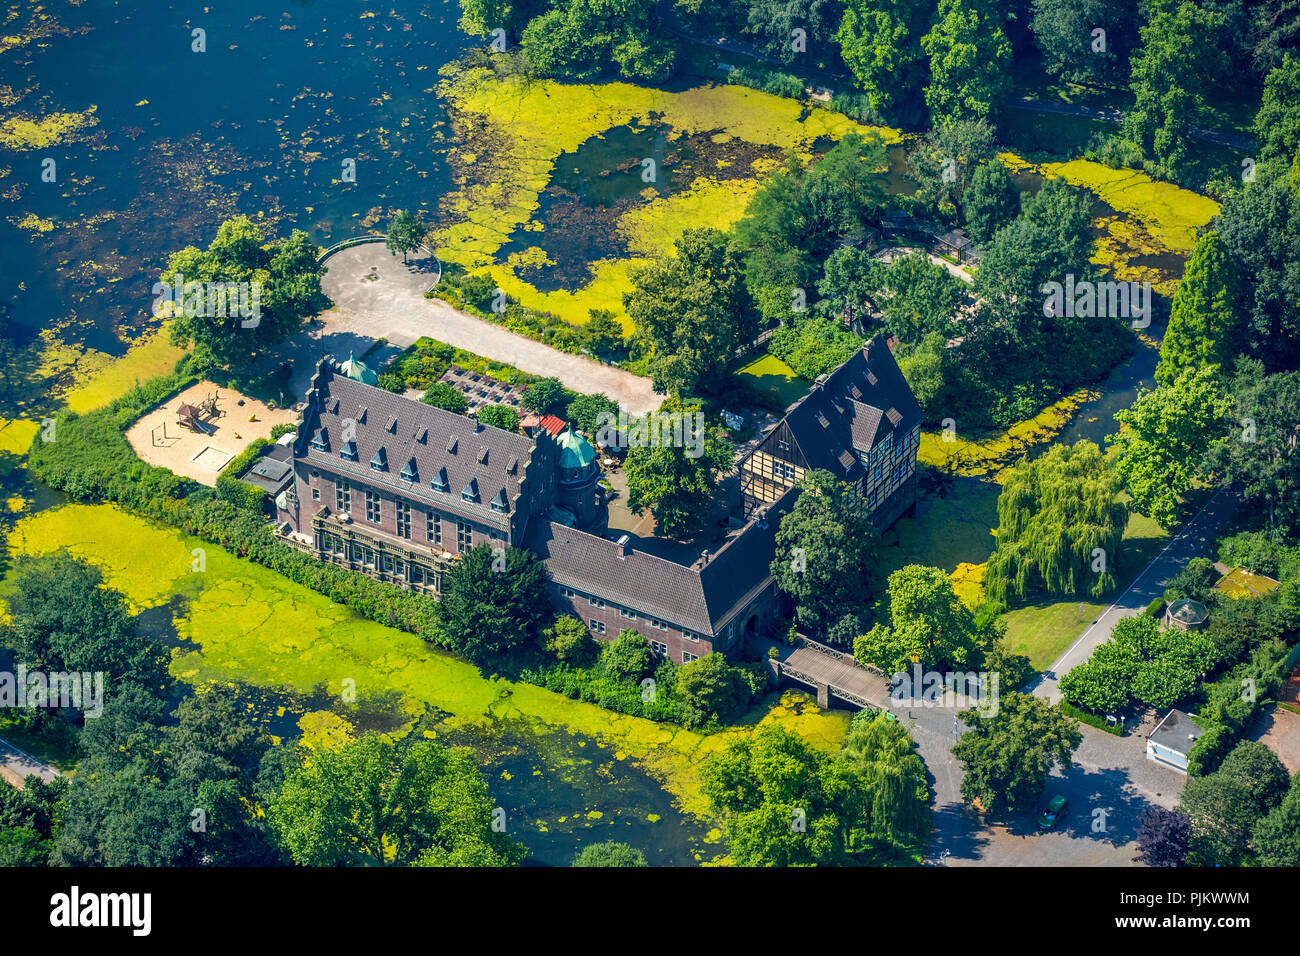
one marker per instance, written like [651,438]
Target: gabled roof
[695,598]
[852,410]
[553,424]
[429,460]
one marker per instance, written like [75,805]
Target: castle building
[861,423]
[397,489]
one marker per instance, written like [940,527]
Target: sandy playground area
[217,434]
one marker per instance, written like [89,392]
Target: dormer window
[423,436]
[322,441]
[513,467]
[361,414]
[380,461]
[391,428]
[451,445]
[470,492]
[482,456]
[410,472]
[439,482]
[499,502]
[349,451]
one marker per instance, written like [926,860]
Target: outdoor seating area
[199,431]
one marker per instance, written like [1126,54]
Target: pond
[174,141]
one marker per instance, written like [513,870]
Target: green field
[1044,630]
[770,374]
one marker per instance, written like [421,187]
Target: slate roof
[694,598]
[406,431]
[855,407]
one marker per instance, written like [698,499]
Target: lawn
[770,374]
[1043,631]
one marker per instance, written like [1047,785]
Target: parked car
[1056,808]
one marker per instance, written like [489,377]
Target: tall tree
[493,603]
[880,42]
[1008,755]
[1174,67]
[928,625]
[1204,322]
[970,60]
[1260,454]
[63,617]
[918,297]
[785,803]
[991,201]
[282,274]
[405,233]
[1164,438]
[674,482]
[373,803]
[825,549]
[1163,837]
[693,309]
[1276,837]
[1060,523]
[1065,32]
[1277,124]
[880,753]
[1260,226]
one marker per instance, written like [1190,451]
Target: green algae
[514,131]
[242,623]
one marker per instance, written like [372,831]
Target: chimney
[624,546]
[704,557]
[892,341]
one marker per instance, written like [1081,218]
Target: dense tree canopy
[1008,755]
[493,603]
[825,549]
[1175,66]
[970,60]
[1205,320]
[673,482]
[1060,522]
[693,309]
[1260,454]
[373,802]
[928,625]
[284,274]
[1164,438]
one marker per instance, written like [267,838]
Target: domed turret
[578,473]
[358,371]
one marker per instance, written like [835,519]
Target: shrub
[442,395]
[241,494]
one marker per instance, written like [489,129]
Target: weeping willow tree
[1060,522]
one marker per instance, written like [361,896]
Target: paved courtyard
[377,296]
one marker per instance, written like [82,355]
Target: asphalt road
[17,765]
[1194,540]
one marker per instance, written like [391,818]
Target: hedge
[240,493]
[1092,720]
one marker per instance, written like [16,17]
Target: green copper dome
[358,371]
[575,451]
